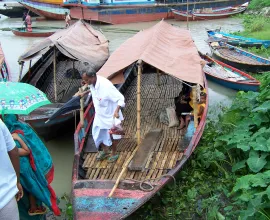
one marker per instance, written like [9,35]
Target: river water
[61,148]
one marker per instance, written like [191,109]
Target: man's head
[66,13]
[88,76]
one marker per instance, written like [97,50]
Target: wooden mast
[54,74]
[139,64]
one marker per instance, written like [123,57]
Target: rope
[150,182]
[151,187]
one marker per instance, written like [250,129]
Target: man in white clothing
[107,102]
[10,186]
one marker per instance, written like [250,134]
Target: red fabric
[50,175]
[32,161]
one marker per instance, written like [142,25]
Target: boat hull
[60,126]
[236,40]
[239,58]
[116,13]
[243,66]
[250,85]
[49,11]
[31,34]
[233,85]
[182,16]
[90,197]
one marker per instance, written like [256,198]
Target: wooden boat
[4,69]
[239,58]
[208,13]
[67,79]
[45,9]
[93,180]
[229,76]
[37,32]
[237,40]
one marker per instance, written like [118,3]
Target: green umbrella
[20,98]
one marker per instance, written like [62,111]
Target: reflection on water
[62,148]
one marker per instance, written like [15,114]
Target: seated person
[182,105]
[201,107]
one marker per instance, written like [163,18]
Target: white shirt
[8,178]
[106,98]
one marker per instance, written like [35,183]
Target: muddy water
[62,148]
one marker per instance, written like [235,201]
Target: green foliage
[67,211]
[258,4]
[228,175]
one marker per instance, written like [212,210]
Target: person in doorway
[201,107]
[28,21]
[36,167]
[182,105]
[24,18]
[107,102]
[67,19]
[10,186]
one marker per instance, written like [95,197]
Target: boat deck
[167,152]
[238,57]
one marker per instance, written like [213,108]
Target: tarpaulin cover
[80,42]
[168,48]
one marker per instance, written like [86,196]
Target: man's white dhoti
[106,98]
[102,136]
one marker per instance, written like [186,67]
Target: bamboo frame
[81,109]
[21,69]
[195,106]
[139,64]
[54,74]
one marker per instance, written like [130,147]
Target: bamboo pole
[81,109]
[123,171]
[21,69]
[195,106]
[139,64]
[29,70]
[54,74]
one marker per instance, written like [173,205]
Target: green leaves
[256,161]
[263,108]
[239,165]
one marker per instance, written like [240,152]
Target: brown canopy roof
[80,41]
[163,46]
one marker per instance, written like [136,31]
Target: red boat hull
[46,14]
[121,18]
[32,34]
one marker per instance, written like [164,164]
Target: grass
[257,27]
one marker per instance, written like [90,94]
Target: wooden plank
[148,144]
[86,161]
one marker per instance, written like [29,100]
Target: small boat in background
[238,58]
[208,13]
[4,69]
[229,76]
[237,40]
[37,31]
